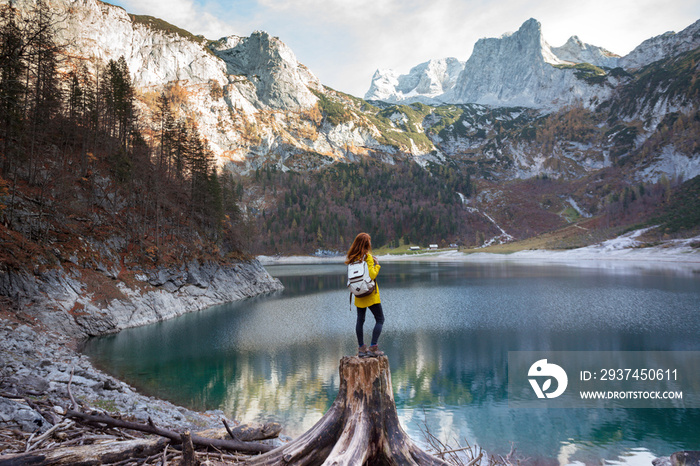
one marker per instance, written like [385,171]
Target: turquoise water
[448,331]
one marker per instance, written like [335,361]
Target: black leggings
[378,317]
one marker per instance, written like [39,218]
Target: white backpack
[358,279]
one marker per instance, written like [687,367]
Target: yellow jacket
[367,301]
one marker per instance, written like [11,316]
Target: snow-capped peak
[424,82]
[666,45]
[516,69]
[577,51]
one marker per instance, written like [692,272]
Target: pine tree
[44,64]
[76,98]
[215,203]
[165,118]
[124,93]
[12,86]
[45,99]
[180,147]
[117,95]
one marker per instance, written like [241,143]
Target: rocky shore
[38,364]
[51,313]
[82,303]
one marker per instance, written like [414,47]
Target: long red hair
[360,247]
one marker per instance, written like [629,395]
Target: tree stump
[360,428]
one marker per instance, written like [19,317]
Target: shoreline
[623,251]
[54,313]
[37,358]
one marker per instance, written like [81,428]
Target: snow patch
[624,253]
[626,241]
[428,82]
[578,209]
[398,117]
[673,164]
[498,239]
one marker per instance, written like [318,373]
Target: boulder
[14,414]
[685,458]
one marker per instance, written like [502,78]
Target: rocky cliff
[522,69]
[576,51]
[249,96]
[517,69]
[280,81]
[427,82]
[81,302]
[155,51]
[664,46]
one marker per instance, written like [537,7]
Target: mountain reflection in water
[448,331]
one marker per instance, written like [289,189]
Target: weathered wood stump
[360,428]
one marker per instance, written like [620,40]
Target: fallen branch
[230,445]
[65,424]
[456,450]
[70,393]
[476,460]
[228,429]
[249,433]
[29,441]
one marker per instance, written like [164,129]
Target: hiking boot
[362,351]
[374,351]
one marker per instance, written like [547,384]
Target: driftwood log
[175,437]
[111,452]
[360,428]
[245,432]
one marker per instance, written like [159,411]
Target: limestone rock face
[520,69]
[98,32]
[426,82]
[165,293]
[663,46]
[577,51]
[281,81]
[516,69]
[244,92]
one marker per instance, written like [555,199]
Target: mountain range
[142,168]
[517,112]
[522,69]
[255,103]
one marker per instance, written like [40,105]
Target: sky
[344,42]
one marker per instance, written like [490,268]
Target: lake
[448,330]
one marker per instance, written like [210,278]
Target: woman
[361,250]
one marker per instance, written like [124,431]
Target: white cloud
[184,14]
